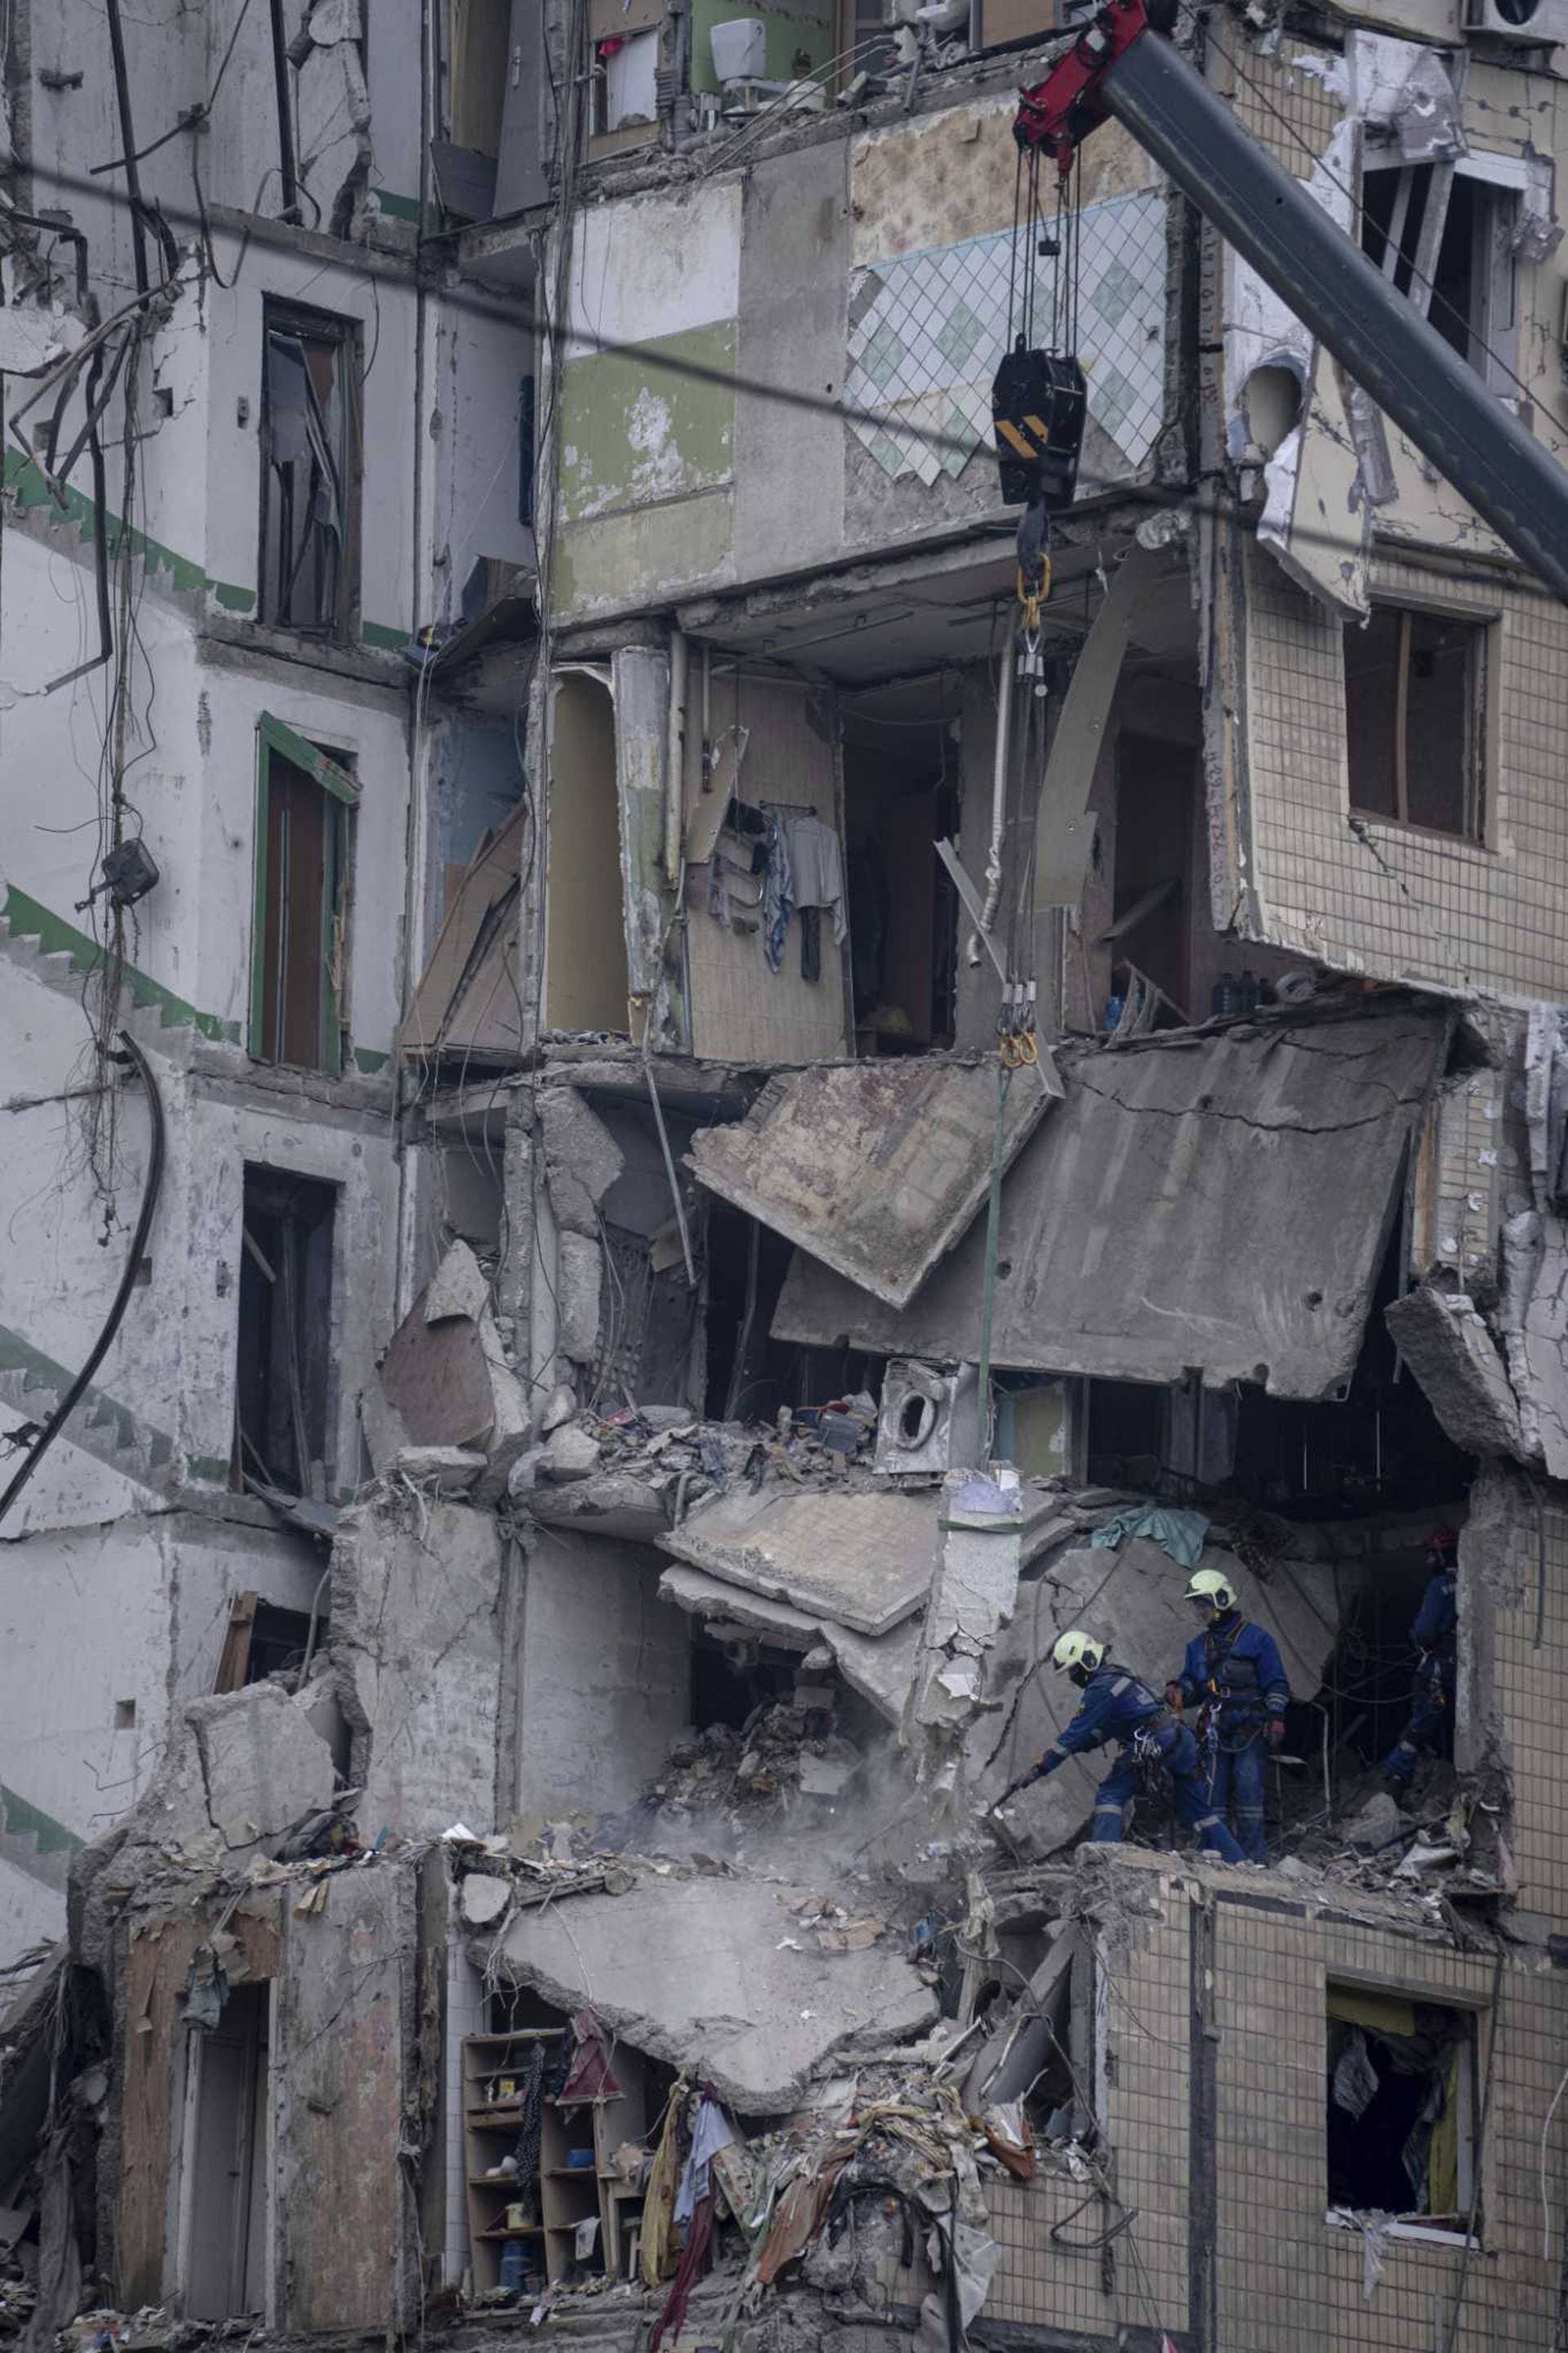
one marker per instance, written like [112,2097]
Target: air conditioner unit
[1540,22]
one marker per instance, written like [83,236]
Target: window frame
[1469,2154]
[280,315]
[1492,339]
[1481,785]
[274,738]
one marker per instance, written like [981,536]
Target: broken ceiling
[1217,1200]
[862,1559]
[877,1168]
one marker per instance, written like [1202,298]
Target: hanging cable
[150,1190]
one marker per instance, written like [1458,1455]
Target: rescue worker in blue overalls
[1435,1634]
[1117,1706]
[1234,1672]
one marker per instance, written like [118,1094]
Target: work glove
[1174,1697]
[1276,1730]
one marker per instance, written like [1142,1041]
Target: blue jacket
[1248,1671]
[1114,1705]
[1438,1617]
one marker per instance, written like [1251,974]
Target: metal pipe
[999,788]
[1376,334]
[674,758]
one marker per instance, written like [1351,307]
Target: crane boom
[1118,67]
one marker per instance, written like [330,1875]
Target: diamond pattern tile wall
[928,330]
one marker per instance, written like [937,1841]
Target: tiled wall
[1403,904]
[1285,2281]
[1522,1576]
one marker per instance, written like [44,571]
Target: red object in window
[608,49]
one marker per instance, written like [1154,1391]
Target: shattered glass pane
[305,446]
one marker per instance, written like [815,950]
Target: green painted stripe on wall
[630,434]
[25,478]
[22,1819]
[30,919]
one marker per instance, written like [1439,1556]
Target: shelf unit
[491,2128]
[563,2195]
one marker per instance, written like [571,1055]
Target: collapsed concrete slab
[1453,1356]
[876,1168]
[699,1973]
[240,1771]
[880,1667]
[445,1380]
[1132,1601]
[415,1638]
[863,1559]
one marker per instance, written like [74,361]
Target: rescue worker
[1117,1706]
[1234,1672]
[1435,1631]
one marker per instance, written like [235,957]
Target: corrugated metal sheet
[876,1168]
[1219,1201]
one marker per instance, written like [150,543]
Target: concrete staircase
[34,1385]
[33,1842]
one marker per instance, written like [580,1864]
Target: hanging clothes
[778,893]
[817,867]
[590,2077]
[709,2133]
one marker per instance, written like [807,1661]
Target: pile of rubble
[781,1752]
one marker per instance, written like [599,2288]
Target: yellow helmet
[1210,1584]
[1075,1648]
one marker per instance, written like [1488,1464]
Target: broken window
[304,842]
[282,1392]
[225,2160]
[1415,690]
[1401,2106]
[311,430]
[1444,236]
[623,83]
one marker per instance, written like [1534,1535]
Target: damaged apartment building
[653,1133]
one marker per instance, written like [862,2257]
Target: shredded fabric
[1355,2078]
[1180,1534]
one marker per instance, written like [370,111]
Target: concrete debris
[580,1275]
[780,1750]
[863,1559]
[1376,1827]
[582,1159]
[1124,1276]
[559,1407]
[972,1590]
[875,1168]
[450,1470]
[241,1770]
[417,1598]
[569,1453]
[458,1287]
[1452,1354]
[1535,1280]
[880,1667]
[484,1898]
[672,1967]
[445,1380]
